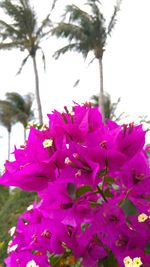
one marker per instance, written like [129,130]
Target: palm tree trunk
[24,133]
[101,93]
[9,132]
[37,91]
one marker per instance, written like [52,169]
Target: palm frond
[15,99]
[113,18]
[76,14]
[91,61]
[63,50]
[97,29]
[46,22]
[7,114]
[94,100]
[84,48]
[94,5]
[25,3]
[68,30]
[53,4]
[22,16]
[26,21]
[10,45]
[109,107]
[43,57]
[9,8]
[8,29]
[76,83]
[19,102]
[95,1]
[22,64]
[28,100]
[22,106]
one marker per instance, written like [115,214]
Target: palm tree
[109,107]
[24,32]
[23,107]
[87,32]
[7,118]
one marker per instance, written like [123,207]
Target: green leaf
[148,152]
[94,204]
[1,244]
[109,180]
[110,260]
[107,193]
[55,260]
[102,172]
[82,190]
[84,226]
[147,249]
[147,198]
[129,208]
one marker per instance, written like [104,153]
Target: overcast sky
[126,67]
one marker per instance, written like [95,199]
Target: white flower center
[47,143]
[32,263]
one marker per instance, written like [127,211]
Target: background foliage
[10,208]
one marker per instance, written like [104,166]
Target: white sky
[126,67]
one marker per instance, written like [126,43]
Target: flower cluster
[93,181]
